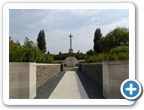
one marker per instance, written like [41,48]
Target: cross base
[70,50]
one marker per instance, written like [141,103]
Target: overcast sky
[58,24]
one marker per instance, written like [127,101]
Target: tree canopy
[115,38]
[41,41]
[97,36]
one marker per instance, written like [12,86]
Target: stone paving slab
[69,87]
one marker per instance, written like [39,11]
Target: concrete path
[69,87]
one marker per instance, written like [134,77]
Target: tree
[59,52]
[41,41]
[115,38]
[97,36]
[15,51]
[90,52]
[78,51]
[28,43]
[48,52]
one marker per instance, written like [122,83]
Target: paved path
[69,87]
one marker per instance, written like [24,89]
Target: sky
[58,24]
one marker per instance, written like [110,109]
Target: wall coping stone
[46,64]
[28,63]
[115,62]
[21,63]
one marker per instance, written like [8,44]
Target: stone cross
[70,50]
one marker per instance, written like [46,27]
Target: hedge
[119,53]
[63,56]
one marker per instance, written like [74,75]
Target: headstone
[70,61]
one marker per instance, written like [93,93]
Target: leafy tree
[59,52]
[29,52]
[28,43]
[97,36]
[90,52]
[78,51]
[41,41]
[48,52]
[116,38]
[15,51]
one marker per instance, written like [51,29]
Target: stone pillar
[22,80]
[114,73]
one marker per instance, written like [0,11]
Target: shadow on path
[93,89]
[45,90]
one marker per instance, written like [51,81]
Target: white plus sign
[131,89]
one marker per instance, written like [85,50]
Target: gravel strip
[44,91]
[92,88]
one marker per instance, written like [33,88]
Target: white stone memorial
[70,61]
[70,50]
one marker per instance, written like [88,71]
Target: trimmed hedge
[63,56]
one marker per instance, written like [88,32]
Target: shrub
[63,56]
[27,53]
[90,52]
[119,53]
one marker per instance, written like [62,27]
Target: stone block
[113,97]
[13,94]
[13,69]
[114,90]
[114,73]
[22,76]
[70,61]
[114,83]
[106,81]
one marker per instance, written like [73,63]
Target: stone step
[70,69]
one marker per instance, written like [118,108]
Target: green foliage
[15,51]
[90,52]
[29,52]
[41,41]
[48,52]
[119,53]
[63,56]
[97,36]
[78,51]
[116,38]
[59,52]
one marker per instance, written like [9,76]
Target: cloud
[124,22]
[58,24]
[93,18]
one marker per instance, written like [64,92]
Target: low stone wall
[93,70]
[110,74]
[25,77]
[114,73]
[45,72]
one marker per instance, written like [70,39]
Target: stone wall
[110,74]
[45,72]
[114,73]
[25,77]
[93,70]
